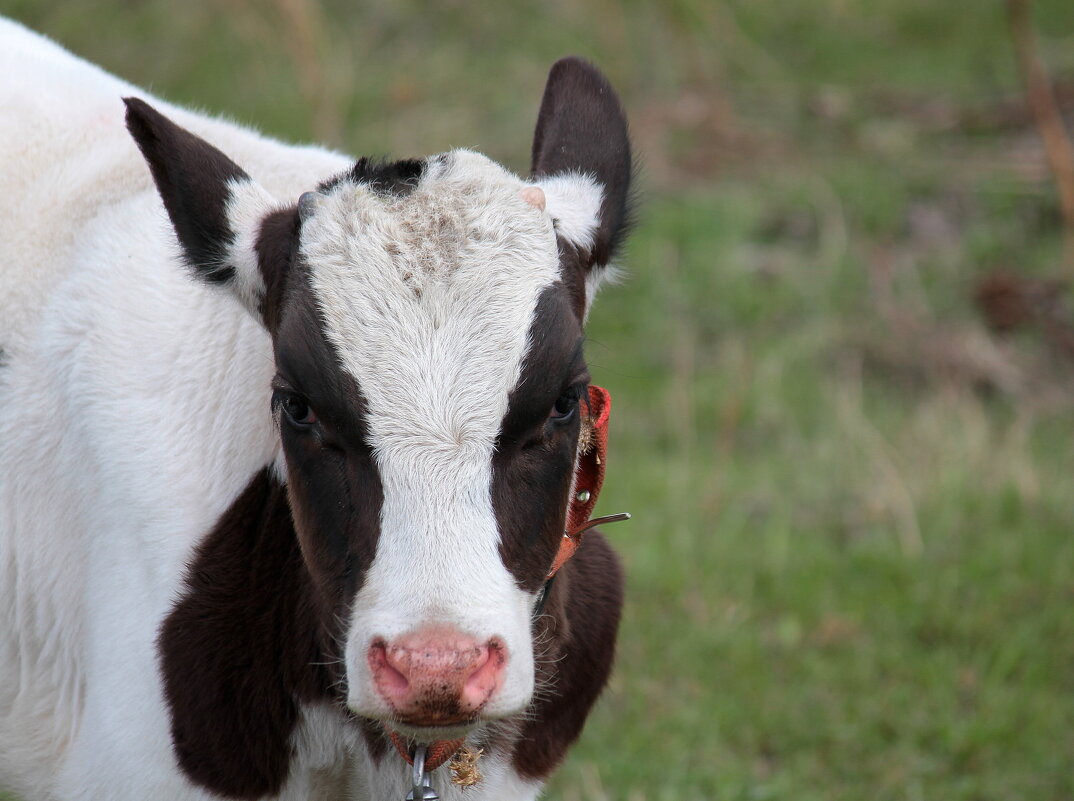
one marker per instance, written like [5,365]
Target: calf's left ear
[219,213]
[581,159]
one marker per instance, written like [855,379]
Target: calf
[288,445]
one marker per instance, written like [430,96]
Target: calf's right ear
[231,230]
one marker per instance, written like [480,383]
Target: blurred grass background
[851,568]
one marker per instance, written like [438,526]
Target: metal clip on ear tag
[423,790]
[598,521]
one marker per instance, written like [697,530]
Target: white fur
[435,337]
[134,408]
[248,205]
[573,200]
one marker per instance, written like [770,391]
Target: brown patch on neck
[580,625]
[243,647]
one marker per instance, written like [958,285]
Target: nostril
[486,675]
[393,680]
[481,659]
[389,671]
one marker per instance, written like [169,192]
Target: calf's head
[426,319]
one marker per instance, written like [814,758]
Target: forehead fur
[428,298]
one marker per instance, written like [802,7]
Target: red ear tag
[588,476]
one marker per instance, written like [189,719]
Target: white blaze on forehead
[428,298]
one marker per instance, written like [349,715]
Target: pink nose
[437,676]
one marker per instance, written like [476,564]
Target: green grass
[850,568]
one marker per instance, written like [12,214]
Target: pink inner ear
[533,195]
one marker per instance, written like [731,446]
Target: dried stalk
[1049,121]
[306,43]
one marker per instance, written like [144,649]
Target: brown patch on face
[534,460]
[276,247]
[572,270]
[333,482]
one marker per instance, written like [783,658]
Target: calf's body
[260,457]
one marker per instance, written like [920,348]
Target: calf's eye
[564,407]
[297,409]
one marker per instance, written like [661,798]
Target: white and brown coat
[257,453]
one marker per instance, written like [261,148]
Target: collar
[438,753]
[588,478]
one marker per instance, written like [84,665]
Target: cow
[288,446]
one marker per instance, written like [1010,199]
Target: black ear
[192,177]
[581,128]
[233,233]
